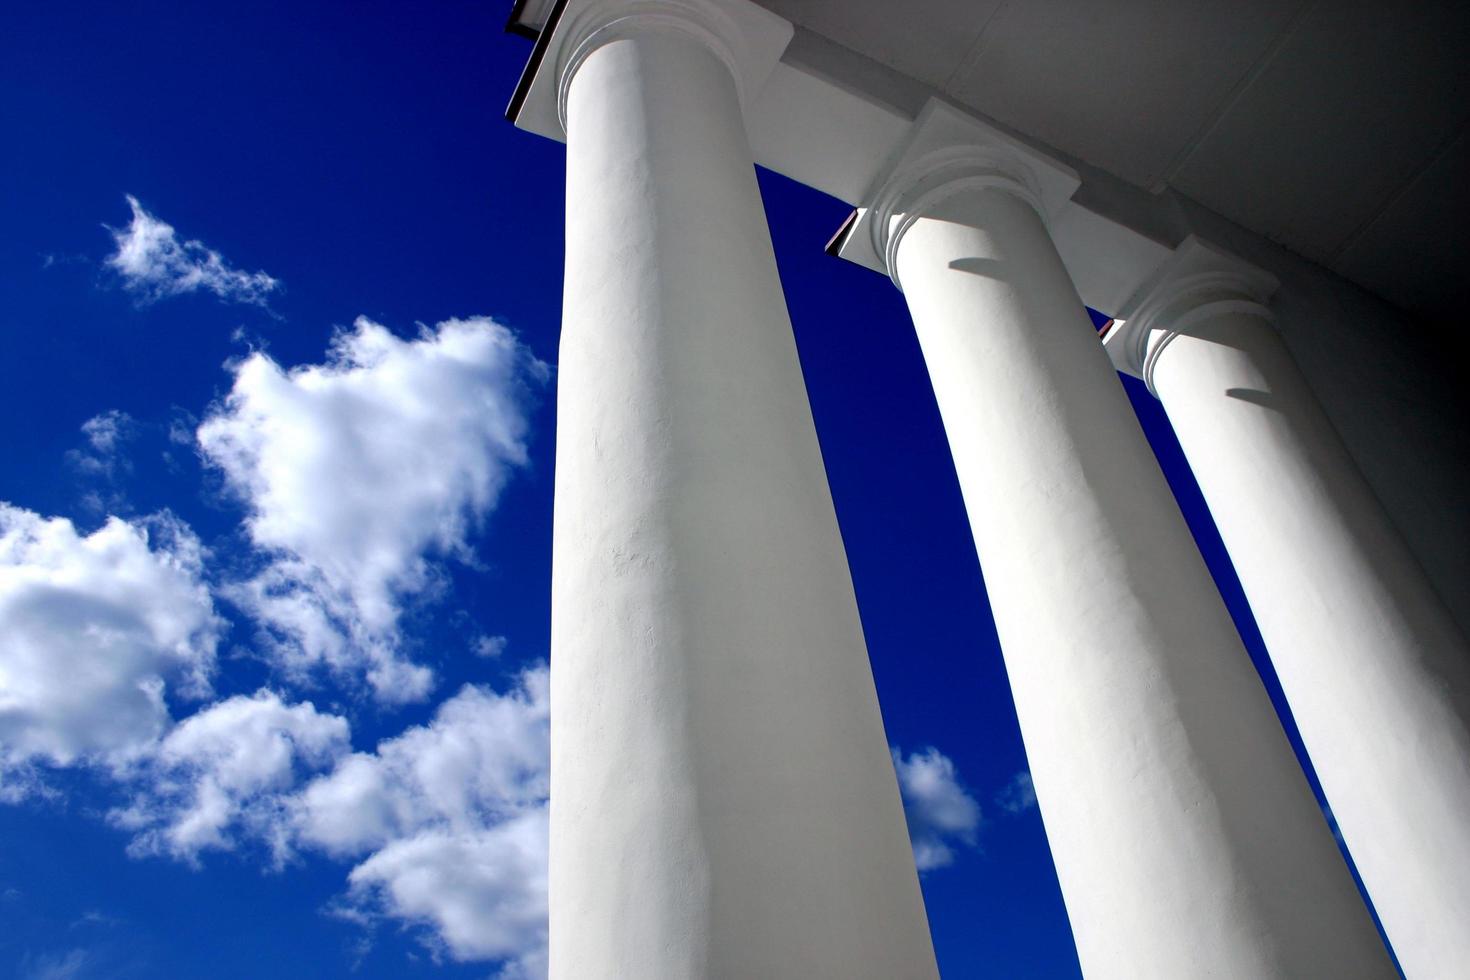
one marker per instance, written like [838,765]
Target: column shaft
[1186,839]
[1373,666]
[723,801]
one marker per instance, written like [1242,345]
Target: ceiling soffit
[1331,127]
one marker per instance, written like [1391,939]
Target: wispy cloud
[359,475]
[154,264]
[71,965]
[942,815]
[1018,795]
[101,460]
[489,647]
[106,430]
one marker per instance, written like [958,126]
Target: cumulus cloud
[482,895]
[92,629]
[484,757]
[155,264]
[1018,795]
[359,474]
[445,823]
[942,815]
[222,771]
[450,820]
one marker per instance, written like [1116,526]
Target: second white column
[723,802]
[1186,839]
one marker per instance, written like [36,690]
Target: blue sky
[277,453]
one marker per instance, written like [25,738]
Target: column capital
[1198,282]
[948,152]
[748,38]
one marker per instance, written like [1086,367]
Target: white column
[1374,668]
[723,802]
[1186,839]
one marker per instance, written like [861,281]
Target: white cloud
[105,434]
[181,428]
[447,822]
[92,628]
[361,471]
[941,813]
[70,965]
[106,430]
[482,894]
[1018,795]
[489,647]
[223,771]
[452,819]
[483,757]
[154,264]
[23,781]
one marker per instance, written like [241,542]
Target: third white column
[1372,664]
[1186,839]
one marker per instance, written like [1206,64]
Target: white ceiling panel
[1352,106]
[924,39]
[1124,85]
[1334,127]
[1413,254]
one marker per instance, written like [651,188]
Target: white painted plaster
[823,136]
[1389,383]
[1186,839]
[723,803]
[1379,374]
[945,146]
[748,38]
[1105,259]
[1375,670]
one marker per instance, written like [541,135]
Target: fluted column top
[1198,282]
[950,152]
[748,38]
